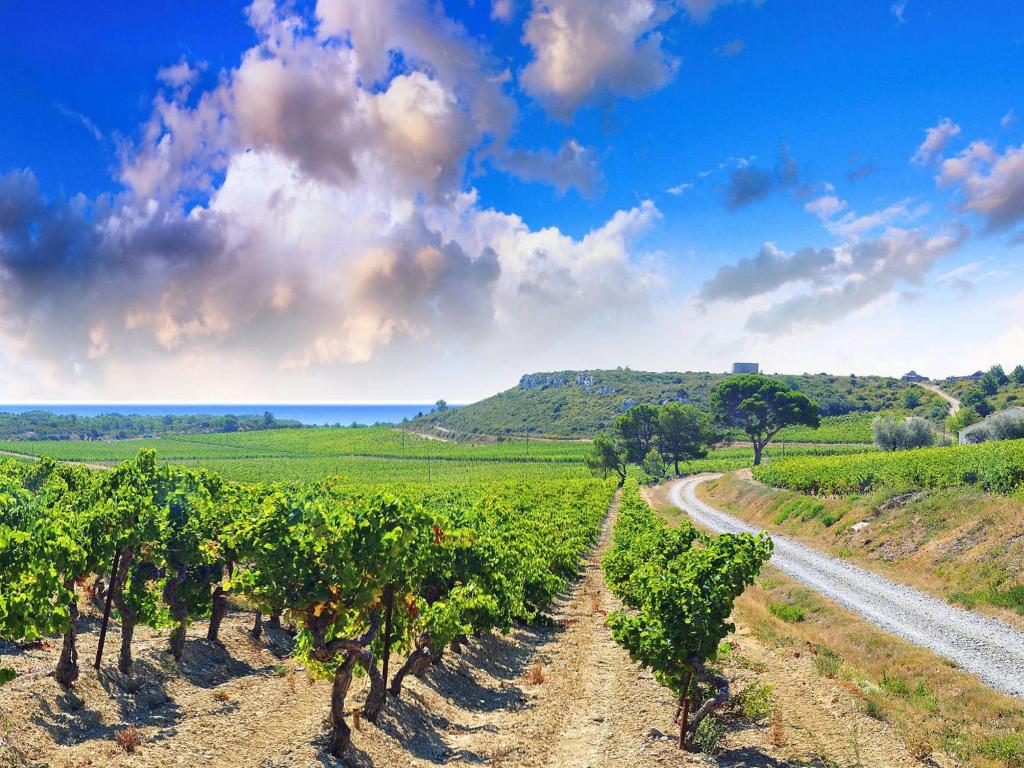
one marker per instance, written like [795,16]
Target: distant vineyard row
[997,467]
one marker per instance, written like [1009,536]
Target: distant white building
[746,368]
[966,432]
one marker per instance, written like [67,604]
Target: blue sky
[335,200]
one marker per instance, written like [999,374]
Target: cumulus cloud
[822,286]
[936,139]
[587,53]
[573,165]
[749,183]
[310,211]
[991,183]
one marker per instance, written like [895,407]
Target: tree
[999,374]
[761,407]
[684,432]
[912,398]
[654,465]
[638,430]
[439,407]
[989,383]
[606,455]
[1018,375]
[975,398]
[962,418]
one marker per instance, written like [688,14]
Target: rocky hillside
[583,403]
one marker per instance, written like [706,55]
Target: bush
[902,435]
[827,662]
[1006,426]
[787,612]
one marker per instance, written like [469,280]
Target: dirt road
[984,647]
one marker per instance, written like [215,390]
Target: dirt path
[954,404]
[985,647]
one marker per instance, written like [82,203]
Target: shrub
[756,702]
[1007,426]
[902,435]
[128,739]
[787,612]
[709,735]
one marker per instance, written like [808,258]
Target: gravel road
[987,648]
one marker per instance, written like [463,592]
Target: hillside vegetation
[585,403]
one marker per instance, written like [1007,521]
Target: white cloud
[679,189]
[991,183]
[572,166]
[826,206]
[1008,120]
[502,10]
[899,9]
[587,53]
[329,225]
[936,139]
[818,287]
[82,120]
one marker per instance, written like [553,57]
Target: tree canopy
[761,407]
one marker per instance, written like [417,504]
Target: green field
[373,454]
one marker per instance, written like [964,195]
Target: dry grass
[535,675]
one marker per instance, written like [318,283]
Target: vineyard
[363,572]
[373,454]
[997,467]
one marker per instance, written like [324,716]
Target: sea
[314,414]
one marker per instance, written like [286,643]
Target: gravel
[987,648]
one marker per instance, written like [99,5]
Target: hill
[583,403]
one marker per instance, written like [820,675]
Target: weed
[874,708]
[709,735]
[918,745]
[894,685]
[788,612]
[770,635]
[221,696]
[281,670]
[756,702]
[1008,749]
[535,676]
[128,739]
[925,697]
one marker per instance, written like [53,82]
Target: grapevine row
[678,587]
[363,572]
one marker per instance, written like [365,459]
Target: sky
[403,200]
